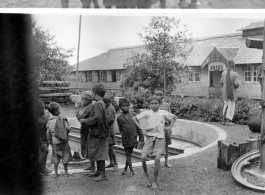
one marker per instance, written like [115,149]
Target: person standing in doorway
[229,83]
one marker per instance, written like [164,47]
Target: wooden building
[207,61]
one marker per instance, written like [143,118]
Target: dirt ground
[216,4]
[196,174]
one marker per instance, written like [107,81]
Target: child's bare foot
[100,178]
[68,174]
[168,165]
[115,168]
[88,168]
[94,174]
[110,165]
[124,172]
[57,175]
[154,186]
[89,173]
[131,174]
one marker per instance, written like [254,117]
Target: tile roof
[232,46]
[252,26]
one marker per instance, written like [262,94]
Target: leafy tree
[163,64]
[51,59]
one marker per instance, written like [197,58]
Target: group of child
[159,122]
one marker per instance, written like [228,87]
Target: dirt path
[196,174]
[217,4]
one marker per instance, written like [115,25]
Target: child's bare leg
[101,166]
[111,164]
[96,172]
[56,171]
[144,158]
[130,150]
[156,170]
[127,161]
[92,168]
[166,158]
[65,166]
[115,168]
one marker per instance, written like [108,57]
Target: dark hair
[106,100]
[123,101]
[99,89]
[53,107]
[154,98]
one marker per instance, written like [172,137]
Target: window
[255,74]
[109,76]
[194,75]
[118,75]
[102,76]
[247,73]
[89,76]
[95,76]
[251,73]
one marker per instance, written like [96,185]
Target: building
[207,61]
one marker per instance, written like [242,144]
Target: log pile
[55,91]
[228,153]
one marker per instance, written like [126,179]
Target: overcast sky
[99,33]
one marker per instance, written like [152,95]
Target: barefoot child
[155,136]
[112,141]
[165,106]
[57,135]
[129,132]
[43,152]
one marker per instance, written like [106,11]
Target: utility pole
[77,65]
[262,137]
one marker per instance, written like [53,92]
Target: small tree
[51,59]
[167,47]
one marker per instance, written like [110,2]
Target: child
[112,141]
[43,152]
[165,106]
[57,135]
[155,136]
[128,132]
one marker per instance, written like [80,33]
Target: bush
[198,109]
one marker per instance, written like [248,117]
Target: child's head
[106,100]
[54,108]
[154,102]
[159,93]
[86,98]
[41,107]
[124,105]
[99,90]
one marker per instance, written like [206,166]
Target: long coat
[234,77]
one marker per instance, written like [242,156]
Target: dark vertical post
[262,144]
[19,150]
[77,65]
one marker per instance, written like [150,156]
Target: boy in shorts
[165,106]
[155,136]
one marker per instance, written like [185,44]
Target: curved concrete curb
[221,136]
[240,163]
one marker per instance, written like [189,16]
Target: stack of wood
[229,153]
[55,91]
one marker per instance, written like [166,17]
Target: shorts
[168,133]
[61,152]
[154,146]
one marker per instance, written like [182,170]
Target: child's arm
[49,136]
[136,122]
[173,121]
[140,134]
